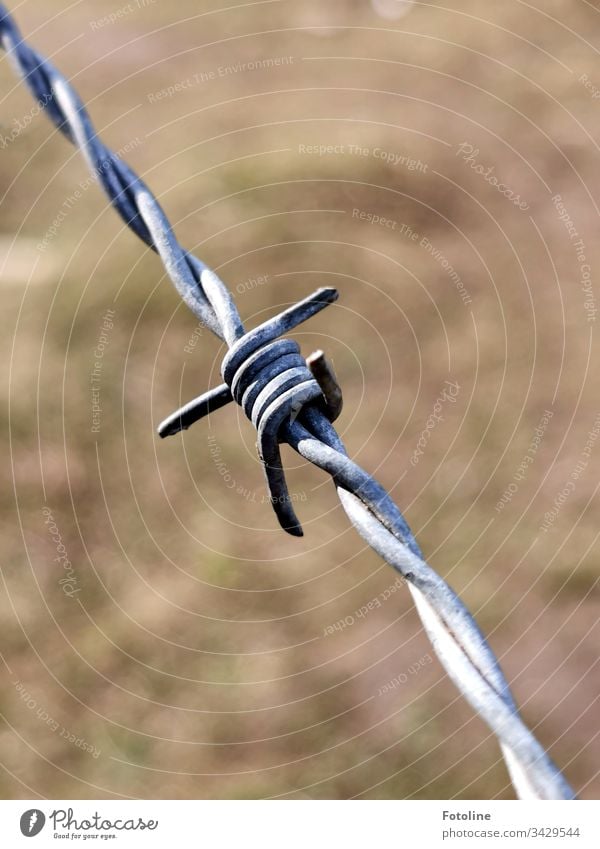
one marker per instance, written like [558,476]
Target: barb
[290,401]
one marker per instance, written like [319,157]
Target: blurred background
[437,163]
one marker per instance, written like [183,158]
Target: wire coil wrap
[272,385]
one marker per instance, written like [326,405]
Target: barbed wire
[295,401]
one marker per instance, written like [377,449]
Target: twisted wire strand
[267,376]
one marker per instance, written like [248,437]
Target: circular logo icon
[32,822]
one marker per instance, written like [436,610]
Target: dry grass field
[439,164]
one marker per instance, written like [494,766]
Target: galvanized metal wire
[289,402]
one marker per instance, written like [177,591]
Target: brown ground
[192,656]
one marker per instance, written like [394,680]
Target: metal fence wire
[295,401]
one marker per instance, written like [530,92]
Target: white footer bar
[300,824]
